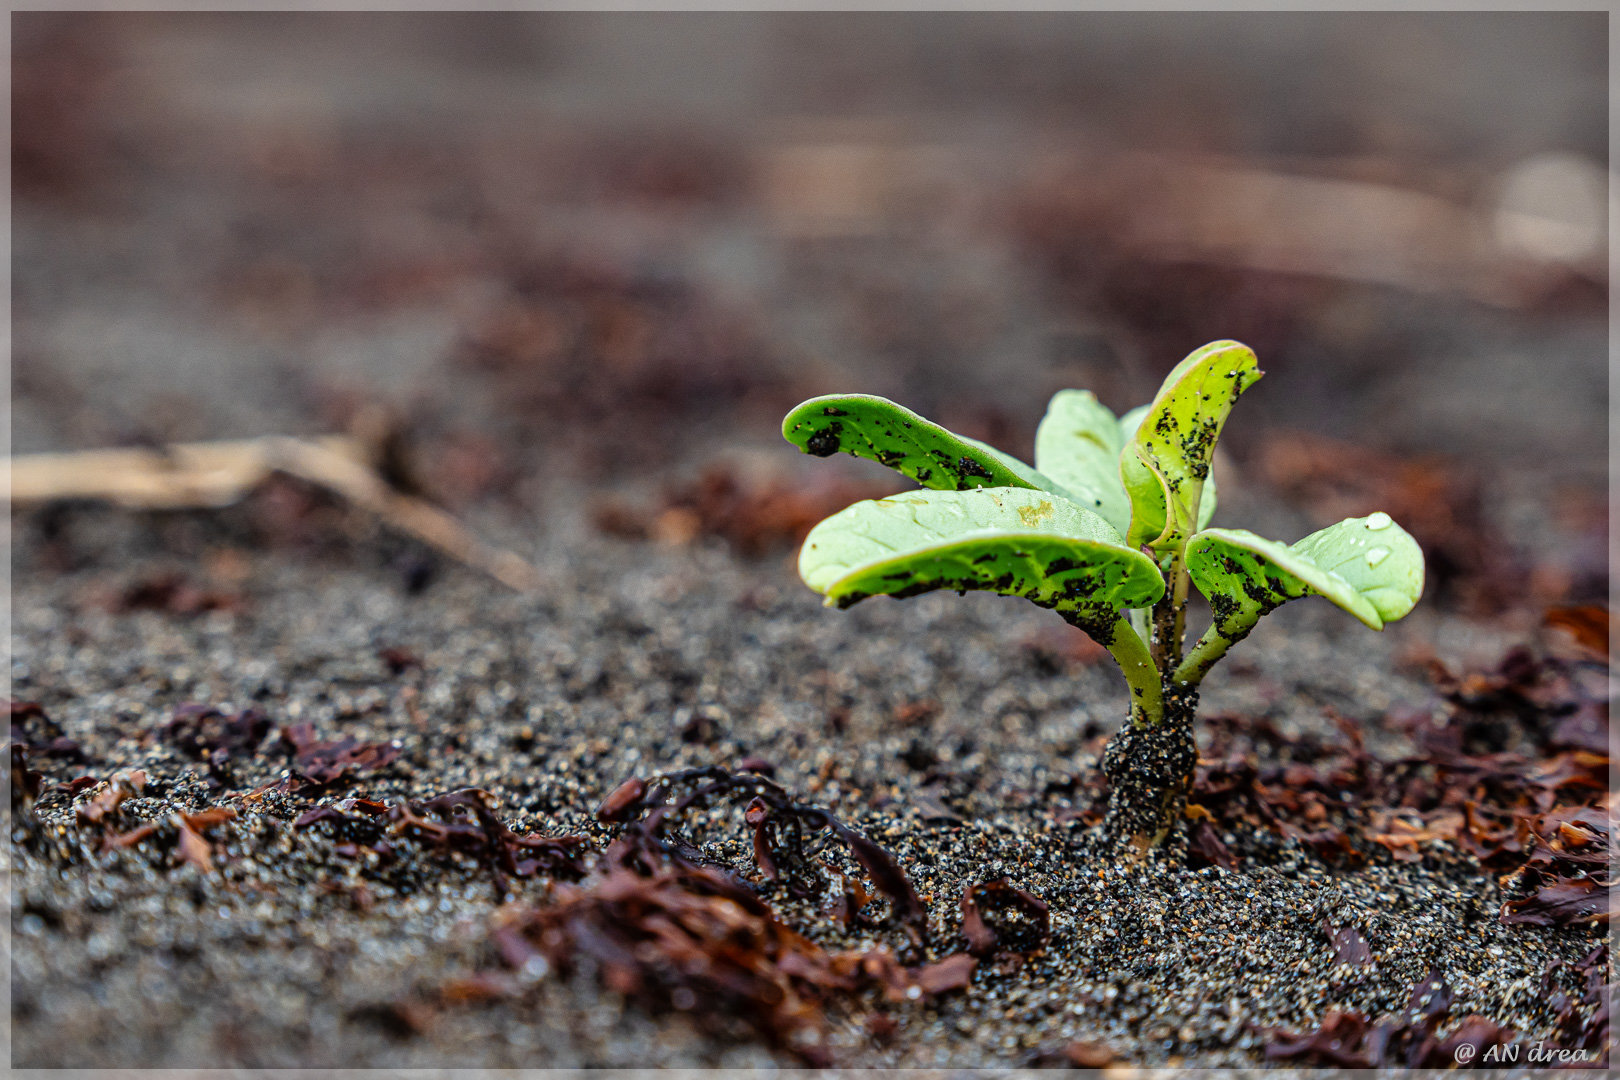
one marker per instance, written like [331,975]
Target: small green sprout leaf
[1174,443]
[1141,485]
[1078,445]
[1006,540]
[1144,491]
[1371,567]
[877,429]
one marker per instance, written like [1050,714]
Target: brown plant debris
[675,936]
[1080,1054]
[676,933]
[174,593]
[214,474]
[39,735]
[1584,1016]
[1004,923]
[1512,774]
[1411,1039]
[26,784]
[458,822]
[324,764]
[204,733]
[783,828]
[754,517]
[1589,625]
[1349,947]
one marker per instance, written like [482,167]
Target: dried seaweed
[399,659]
[39,735]
[673,931]
[1589,625]
[1080,1054]
[1206,848]
[675,936]
[182,833]
[1349,947]
[458,822]
[1583,1018]
[1348,1039]
[1561,902]
[754,518]
[26,783]
[326,764]
[204,733]
[782,829]
[678,941]
[173,593]
[1004,923]
[1541,806]
[117,790]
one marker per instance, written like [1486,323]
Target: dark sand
[549,701]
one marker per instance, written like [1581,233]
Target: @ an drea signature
[1522,1053]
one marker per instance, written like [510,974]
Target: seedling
[1110,530]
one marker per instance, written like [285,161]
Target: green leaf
[1174,442]
[1078,445]
[1370,567]
[880,430]
[1144,491]
[1007,540]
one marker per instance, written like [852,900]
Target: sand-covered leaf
[1007,540]
[878,429]
[1370,567]
[1174,442]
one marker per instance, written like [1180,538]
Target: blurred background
[582,263]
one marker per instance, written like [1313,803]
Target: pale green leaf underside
[1078,445]
[1368,566]
[1174,441]
[878,429]
[1007,540]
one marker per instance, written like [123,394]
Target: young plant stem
[1141,673]
[1207,652]
[1170,613]
[1150,765]
[1131,653]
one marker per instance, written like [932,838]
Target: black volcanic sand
[293,953]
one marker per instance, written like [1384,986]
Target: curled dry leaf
[1348,1039]
[26,783]
[461,821]
[1001,921]
[122,786]
[1565,902]
[322,764]
[39,735]
[173,593]
[783,828]
[1590,625]
[1080,1054]
[1349,947]
[684,939]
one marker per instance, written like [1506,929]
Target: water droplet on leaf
[1377,555]
[1379,521]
